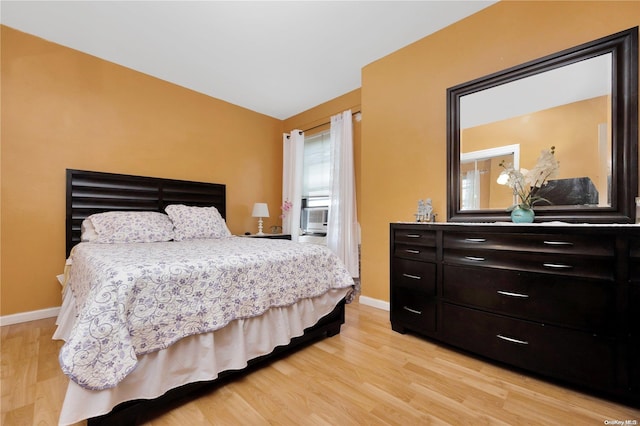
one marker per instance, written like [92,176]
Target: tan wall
[404,104]
[64,109]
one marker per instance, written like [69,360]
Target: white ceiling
[278,58]
[575,82]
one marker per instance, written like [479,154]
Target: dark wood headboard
[97,192]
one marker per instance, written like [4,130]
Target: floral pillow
[127,227]
[197,222]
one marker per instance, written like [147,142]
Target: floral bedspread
[138,298]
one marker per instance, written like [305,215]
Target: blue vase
[520,215]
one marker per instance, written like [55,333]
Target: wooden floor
[366,375]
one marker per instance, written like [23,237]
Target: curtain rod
[324,124]
[354,113]
[315,127]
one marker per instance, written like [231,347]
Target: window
[316,168]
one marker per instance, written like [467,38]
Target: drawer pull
[475,240]
[558,243]
[508,293]
[413,311]
[412,251]
[413,235]
[413,277]
[557,266]
[512,340]
[475,258]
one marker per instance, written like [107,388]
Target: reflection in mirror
[479,171]
[583,101]
[568,107]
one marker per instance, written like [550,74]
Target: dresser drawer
[568,301]
[418,276]
[422,237]
[546,263]
[542,243]
[413,251]
[411,309]
[419,244]
[566,354]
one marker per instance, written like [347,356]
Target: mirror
[583,101]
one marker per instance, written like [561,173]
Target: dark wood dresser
[557,300]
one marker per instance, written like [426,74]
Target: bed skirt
[196,358]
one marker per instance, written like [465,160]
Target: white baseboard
[376,303]
[29,316]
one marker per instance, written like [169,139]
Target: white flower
[503,179]
[546,167]
[524,181]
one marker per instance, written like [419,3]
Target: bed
[175,301]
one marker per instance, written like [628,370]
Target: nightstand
[270,236]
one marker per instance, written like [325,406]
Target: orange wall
[404,104]
[65,109]
[61,108]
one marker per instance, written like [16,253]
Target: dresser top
[532,227]
[525,225]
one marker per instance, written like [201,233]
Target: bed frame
[97,192]
[91,192]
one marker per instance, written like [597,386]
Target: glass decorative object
[520,215]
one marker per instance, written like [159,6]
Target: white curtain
[342,227]
[293,158]
[471,190]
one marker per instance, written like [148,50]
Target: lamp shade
[260,210]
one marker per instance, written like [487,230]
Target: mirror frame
[624,162]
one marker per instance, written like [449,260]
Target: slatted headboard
[97,192]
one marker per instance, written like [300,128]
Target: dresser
[556,300]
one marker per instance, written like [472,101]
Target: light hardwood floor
[366,375]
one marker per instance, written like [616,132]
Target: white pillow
[87,231]
[127,227]
[197,222]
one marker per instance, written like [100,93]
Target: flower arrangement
[285,207]
[525,182]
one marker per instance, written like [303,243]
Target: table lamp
[260,210]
